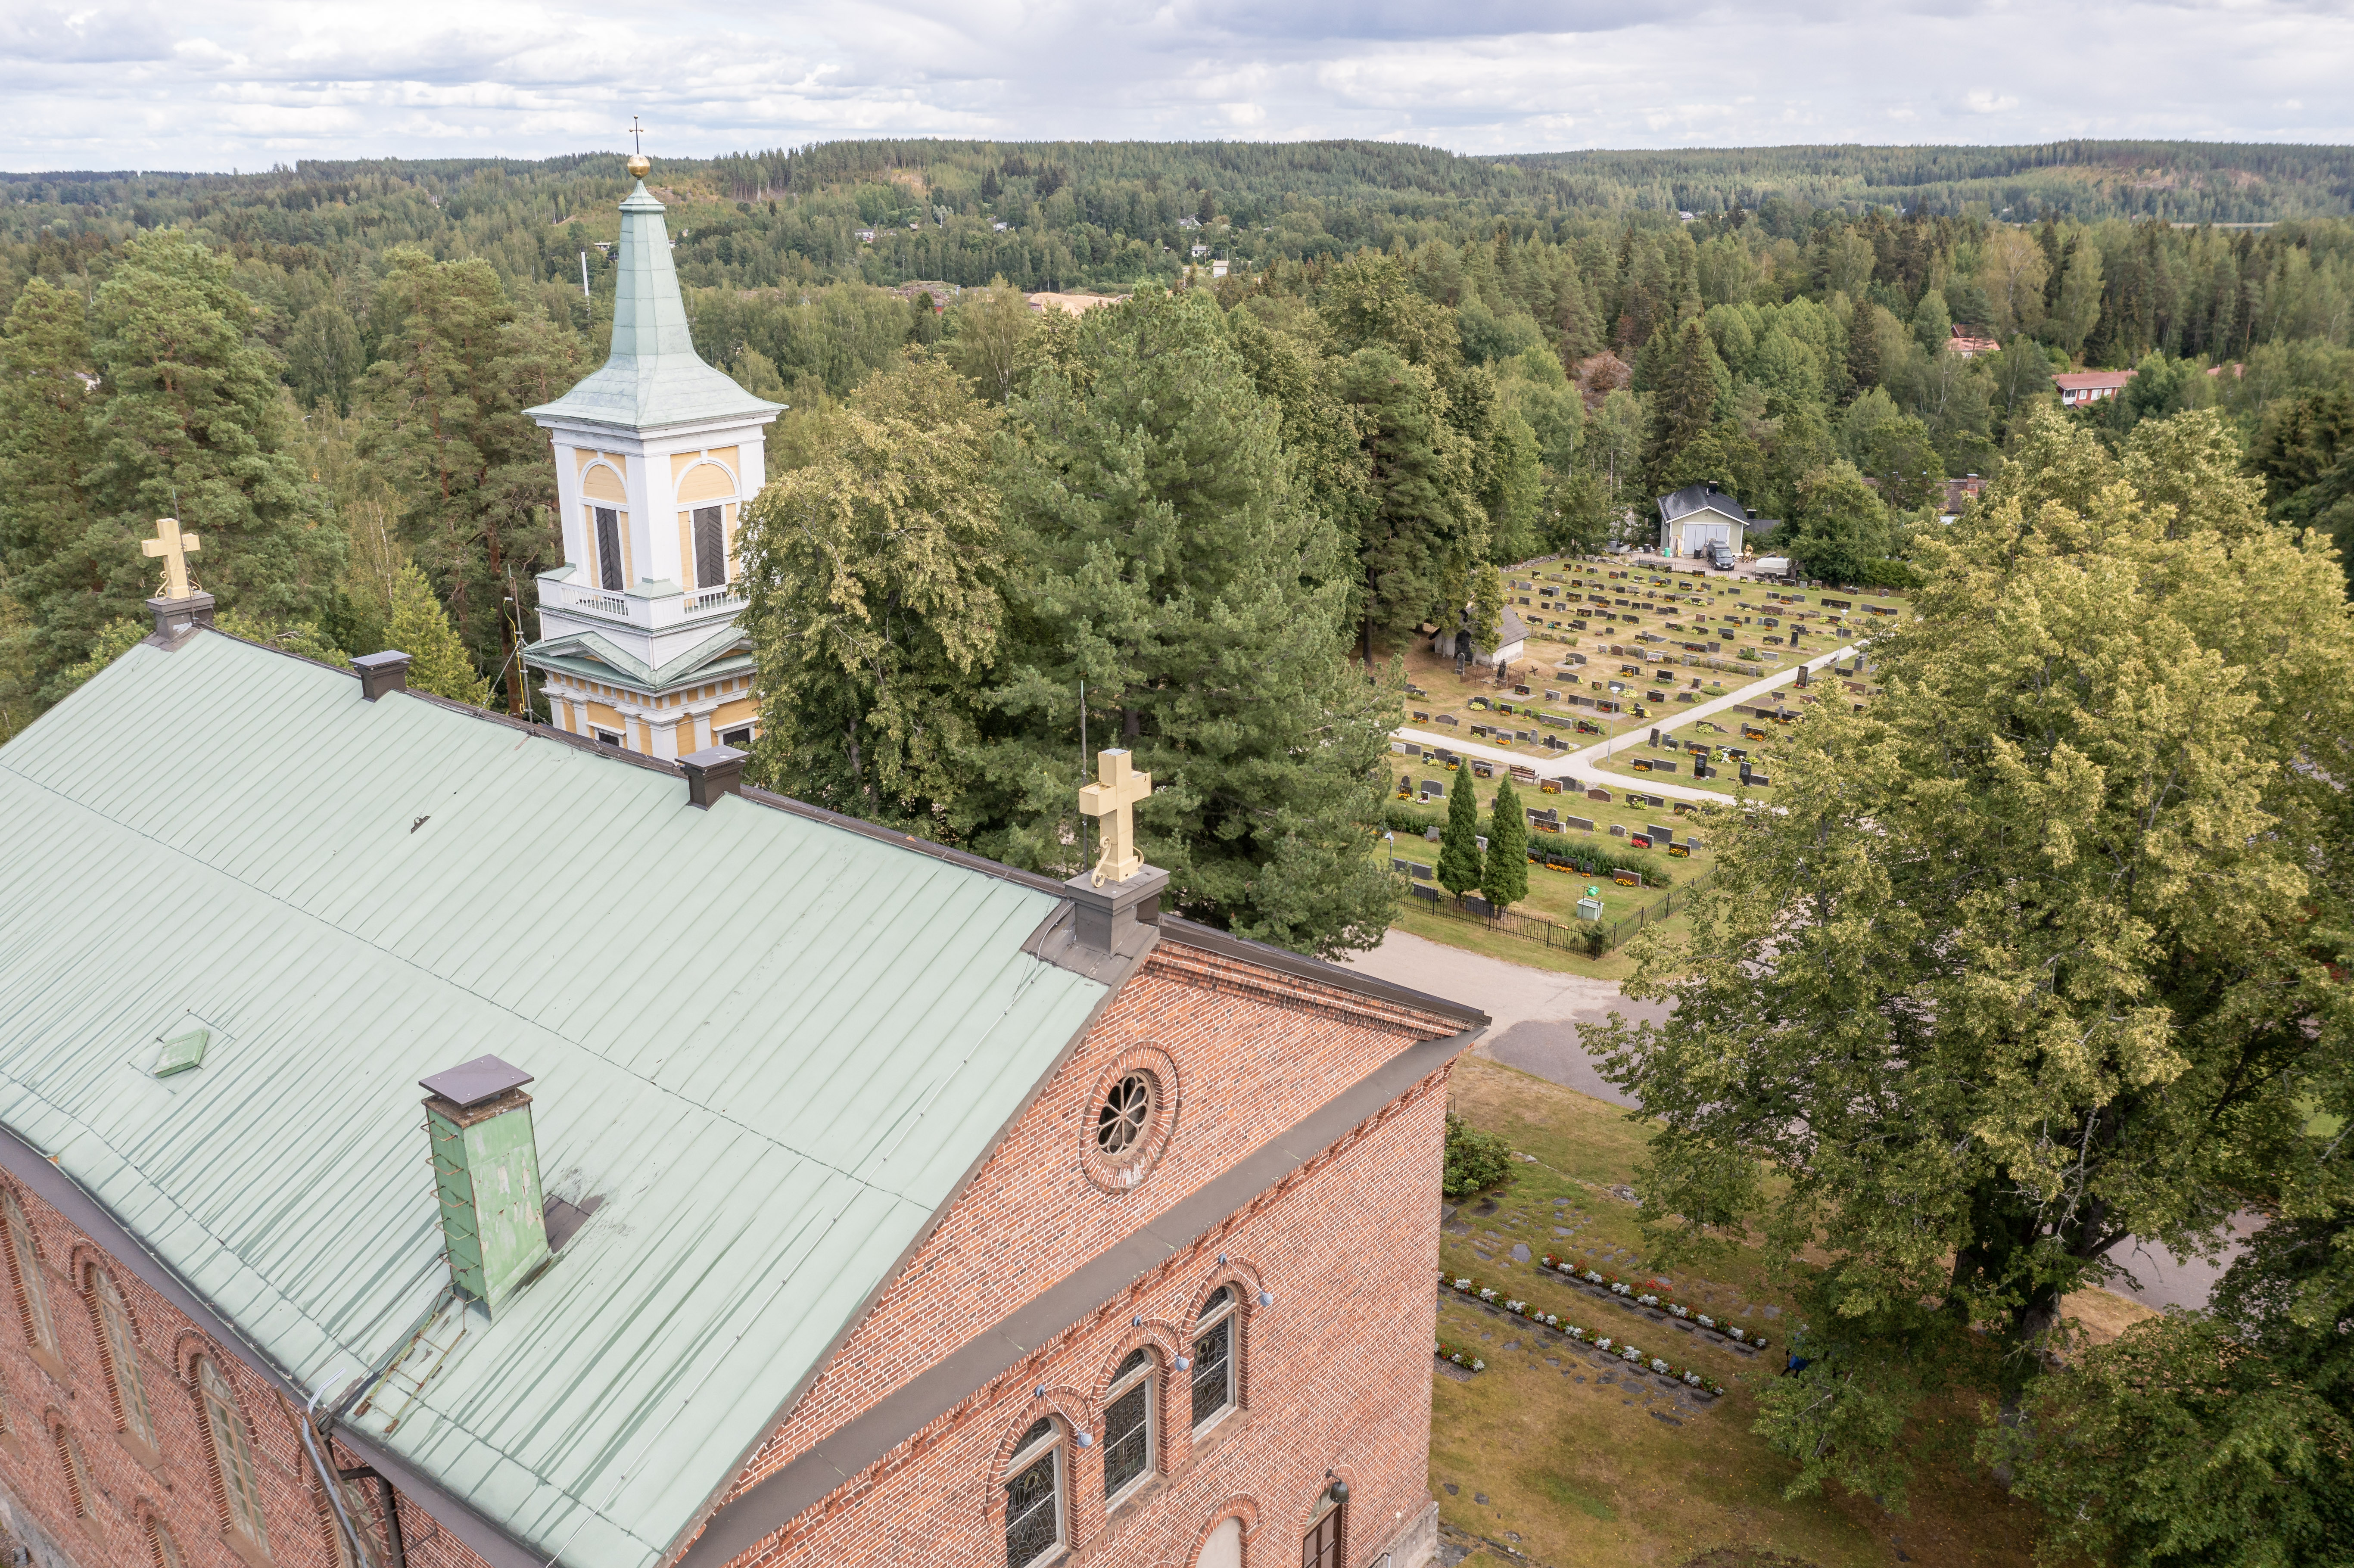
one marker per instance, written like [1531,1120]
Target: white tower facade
[656,455]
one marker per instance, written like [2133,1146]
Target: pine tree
[1460,867]
[420,627]
[196,425]
[1487,608]
[1162,554]
[1685,403]
[1419,514]
[1504,879]
[71,568]
[456,367]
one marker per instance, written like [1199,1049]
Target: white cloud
[245,82]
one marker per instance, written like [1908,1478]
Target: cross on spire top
[637,135]
[175,548]
[1118,788]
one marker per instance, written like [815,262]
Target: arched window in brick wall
[1217,1357]
[240,1484]
[120,1353]
[25,1276]
[1129,1438]
[1035,1490]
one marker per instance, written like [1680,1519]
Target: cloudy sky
[216,84]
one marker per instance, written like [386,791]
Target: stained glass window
[1213,1359]
[1127,1425]
[1033,1502]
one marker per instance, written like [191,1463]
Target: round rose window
[1127,1112]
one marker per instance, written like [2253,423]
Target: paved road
[1537,1012]
[1538,1015]
[1581,767]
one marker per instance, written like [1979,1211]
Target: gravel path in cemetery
[1579,766]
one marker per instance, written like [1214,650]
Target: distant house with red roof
[2078,388]
[1968,347]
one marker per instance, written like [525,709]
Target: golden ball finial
[639,164]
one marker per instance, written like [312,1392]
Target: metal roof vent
[714,771]
[382,672]
[486,1176]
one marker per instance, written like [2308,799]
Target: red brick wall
[177,1482]
[1348,1252]
[1336,1375]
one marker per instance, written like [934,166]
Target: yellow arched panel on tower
[600,482]
[706,481]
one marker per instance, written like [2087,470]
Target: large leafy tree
[2037,957]
[875,578]
[2217,1437]
[457,365]
[1162,554]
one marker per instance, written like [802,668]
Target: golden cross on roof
[175,548]
[1117,790]
[639,164]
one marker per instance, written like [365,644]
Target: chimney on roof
[382,672]
[714,771]
[486,1177]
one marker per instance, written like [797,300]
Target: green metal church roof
[653,377]
[771,1047]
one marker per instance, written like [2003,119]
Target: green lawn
[1545,1459]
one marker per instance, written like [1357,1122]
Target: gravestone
[1582,824]
[1601,795]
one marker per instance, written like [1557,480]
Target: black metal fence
[1576,937]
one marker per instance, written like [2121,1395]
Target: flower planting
[1460,1356]
[1465,1285]
[1632,1291]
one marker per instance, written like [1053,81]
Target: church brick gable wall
[177,1482]
[1335,1375]
[1253,1053]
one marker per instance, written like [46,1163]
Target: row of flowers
[1460,1356]
[1607,1345]
[1641,1298]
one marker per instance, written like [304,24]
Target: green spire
[654,376]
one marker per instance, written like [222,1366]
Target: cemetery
[1612,833]
[1611,649]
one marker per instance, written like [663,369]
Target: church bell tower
[656,453]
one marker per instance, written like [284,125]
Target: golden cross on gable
[1117,790]
[176,547]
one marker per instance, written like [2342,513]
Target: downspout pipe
[360,1553]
